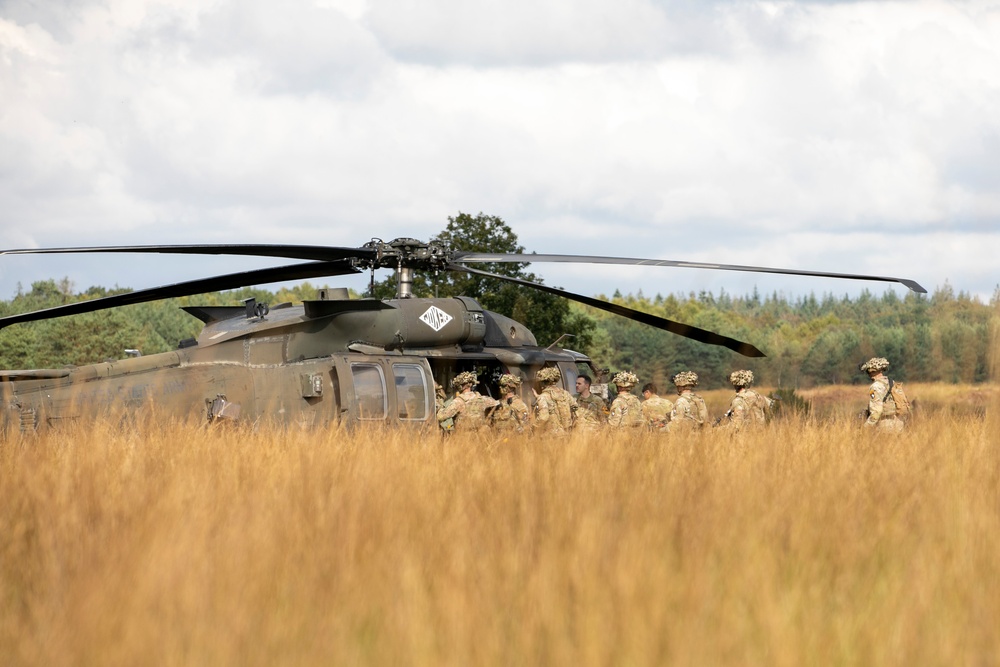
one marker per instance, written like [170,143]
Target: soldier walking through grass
[555,407]
[512,414]
[882,413]
[626,409]
[748,408]
[690,412]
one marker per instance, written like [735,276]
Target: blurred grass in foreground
[807,544]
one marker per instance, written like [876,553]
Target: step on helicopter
[331,359]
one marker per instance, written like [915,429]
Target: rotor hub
[407,253]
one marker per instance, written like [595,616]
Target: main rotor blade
[310,252]
[686,330]
[462,256]
[190,288]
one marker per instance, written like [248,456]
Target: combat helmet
[875,365]
[548,375]
[508,380]
[464,378]
[742,378]
[686,379]
[625,380]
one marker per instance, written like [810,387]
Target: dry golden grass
[806,544]
[930,399]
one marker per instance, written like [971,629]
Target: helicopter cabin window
[369,390]
[411,394]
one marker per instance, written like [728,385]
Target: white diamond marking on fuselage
[436,318]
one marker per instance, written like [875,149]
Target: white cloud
[753,133]
[524,33]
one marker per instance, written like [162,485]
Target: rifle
[727,416]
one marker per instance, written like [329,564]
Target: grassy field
[810,543]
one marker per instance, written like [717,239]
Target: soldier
[440,402]
[655,409]
[689,410]
[882,409]
[469,408]
[593,410]
[748,408]
[626,410]
[555,406]
[512,414]
[439,397]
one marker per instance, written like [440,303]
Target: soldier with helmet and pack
[690,411]
[886,401]
[469,408]
[748,408]
[626,410]
[512,413]
[555,407]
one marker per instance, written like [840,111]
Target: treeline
[944,337]
[80,339]
[809,340]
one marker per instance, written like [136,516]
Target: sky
[853,137]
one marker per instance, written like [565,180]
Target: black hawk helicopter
[333,359]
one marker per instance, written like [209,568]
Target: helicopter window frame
[363,384]
[402,413]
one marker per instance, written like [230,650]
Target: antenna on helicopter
[559,340]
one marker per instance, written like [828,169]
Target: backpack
[899,398]
[702,417]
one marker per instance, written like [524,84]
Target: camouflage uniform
[592,414]
[512,415]
[690,411]
[656,411]
[439,397]
[468,409]
[748,408]
[881,405]
[626,409]
[440,403]
[555,406]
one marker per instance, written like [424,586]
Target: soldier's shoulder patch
[873,394]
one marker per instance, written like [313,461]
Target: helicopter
[333,359]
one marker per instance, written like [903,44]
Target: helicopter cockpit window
[411,394]
[369,390]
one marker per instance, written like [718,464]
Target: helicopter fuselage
[331,360]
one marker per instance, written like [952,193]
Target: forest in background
[809,341]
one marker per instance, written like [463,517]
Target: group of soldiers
[557,411]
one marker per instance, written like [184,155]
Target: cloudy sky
[859,137]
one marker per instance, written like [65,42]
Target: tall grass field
[808,543]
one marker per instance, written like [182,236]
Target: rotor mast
[404,282]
